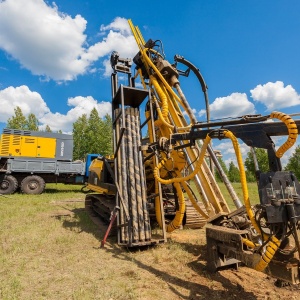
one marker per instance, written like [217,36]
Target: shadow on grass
[196,290]
[80,221]
[59,190]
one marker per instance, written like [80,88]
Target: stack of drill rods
[145,221]
[121,180]
[132,180]
[131,177]
[137,174]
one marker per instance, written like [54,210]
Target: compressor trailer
[30,159]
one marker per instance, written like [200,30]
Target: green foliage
[250,177]
[262,159]
[224,167]
[32,123]
[106,136]
[80,137]
[92,135]
[233,173]
[18,121]
[94,129]
[48,129]
[294,163]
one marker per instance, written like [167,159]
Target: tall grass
[252,190]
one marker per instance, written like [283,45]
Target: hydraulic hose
[157,206]
[292,130]
[163,113]
[180,213]
[238,155]
[186,178]
[273,243]
[249,243]
[177,221]
[267,256]
[148,60]
[193,200]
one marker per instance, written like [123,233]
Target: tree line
[263,165]
[92,134]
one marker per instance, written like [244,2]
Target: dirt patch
[241,283]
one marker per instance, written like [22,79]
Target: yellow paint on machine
[27,146]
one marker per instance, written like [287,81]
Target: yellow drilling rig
[166,179]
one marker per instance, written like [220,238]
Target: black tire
[8,185]
[33,185]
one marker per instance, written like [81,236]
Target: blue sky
[54,54]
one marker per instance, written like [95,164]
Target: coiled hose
[267,256]
[292,130]
[188,177]
[177,221]
[163,113]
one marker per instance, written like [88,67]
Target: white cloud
[32,102]
[43,40]
[118,24]
[234,105]
[114,41]
[28,101]
[275,95]
[81,105]
[226,149]
[53,44]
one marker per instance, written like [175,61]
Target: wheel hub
[4,185]
[32,185]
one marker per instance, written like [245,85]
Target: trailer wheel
[8,185]
[33,185]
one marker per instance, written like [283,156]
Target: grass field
[49,249]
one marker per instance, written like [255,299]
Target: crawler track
[192,219]
[99,208]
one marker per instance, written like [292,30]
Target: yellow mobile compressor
[30,159]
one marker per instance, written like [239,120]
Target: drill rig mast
[150,178]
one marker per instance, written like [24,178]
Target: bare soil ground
[243,283]
[51,251]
